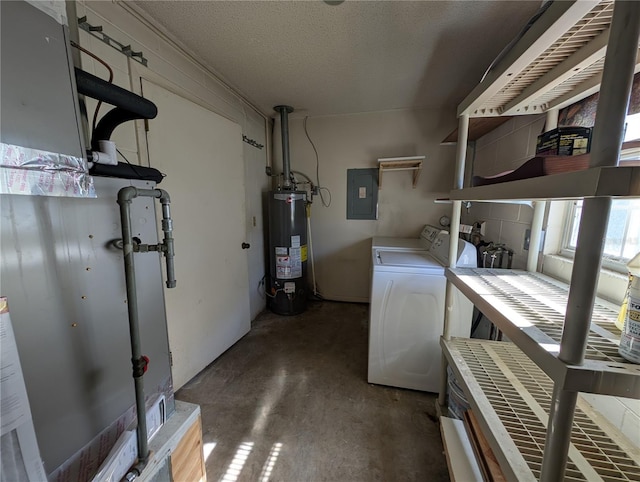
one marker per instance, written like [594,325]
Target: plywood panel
[187,460]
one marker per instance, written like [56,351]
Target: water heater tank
[287,287]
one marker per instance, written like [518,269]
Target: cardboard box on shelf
[564,141]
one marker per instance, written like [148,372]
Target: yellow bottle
[623,309]
[630,313]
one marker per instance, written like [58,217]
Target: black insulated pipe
[129,106]
[99,89]
[108,124]
[284,111]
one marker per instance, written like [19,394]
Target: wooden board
[544,166]
[487,461]
[187,460]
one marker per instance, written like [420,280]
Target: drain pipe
[139,362]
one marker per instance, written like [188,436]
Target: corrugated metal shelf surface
[511,397]
[592,182]
[558,61]
[529,308]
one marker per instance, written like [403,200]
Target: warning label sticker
[303,253]
[289,267]
[295,241]
[282,251]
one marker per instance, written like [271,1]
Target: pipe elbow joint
[126,194]
[164,196]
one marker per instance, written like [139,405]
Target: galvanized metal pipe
[606,143]
[284,111]
[167,228]
[126,196]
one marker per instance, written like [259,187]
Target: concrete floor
[291,402]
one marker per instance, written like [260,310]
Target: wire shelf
[503,385]
[557,62]
[530,309]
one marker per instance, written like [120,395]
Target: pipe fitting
[127,194]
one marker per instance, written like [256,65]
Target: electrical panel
[362,194]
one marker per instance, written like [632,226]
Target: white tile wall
[505,223]
[622,413]
[504,149]
[508,146]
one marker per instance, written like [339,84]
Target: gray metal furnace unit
[287,287]
[59,269]
[66,289]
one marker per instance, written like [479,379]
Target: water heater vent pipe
[284,111]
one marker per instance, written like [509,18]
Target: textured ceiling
[358,56]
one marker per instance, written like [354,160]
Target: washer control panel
[467,254]
[429,233]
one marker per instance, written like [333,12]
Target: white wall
[342,247]
[176,70]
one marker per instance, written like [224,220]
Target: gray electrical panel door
[64,281]
[362,194]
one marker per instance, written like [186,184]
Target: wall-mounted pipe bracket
[97,32]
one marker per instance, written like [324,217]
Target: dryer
[407,313]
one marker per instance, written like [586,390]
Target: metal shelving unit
[525,393]
[529,308]
[511,398]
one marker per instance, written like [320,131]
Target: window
[623,231]
[632,128]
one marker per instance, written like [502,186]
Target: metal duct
[284,111]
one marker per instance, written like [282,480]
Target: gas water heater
[287,287]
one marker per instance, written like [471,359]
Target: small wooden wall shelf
[400,164]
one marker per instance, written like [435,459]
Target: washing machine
[388,243]
[407,313]
[422,243]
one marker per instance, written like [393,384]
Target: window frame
[613,263]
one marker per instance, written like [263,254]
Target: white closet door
[201,154]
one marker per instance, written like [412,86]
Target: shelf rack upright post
[608,134]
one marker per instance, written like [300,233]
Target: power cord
[132,166]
